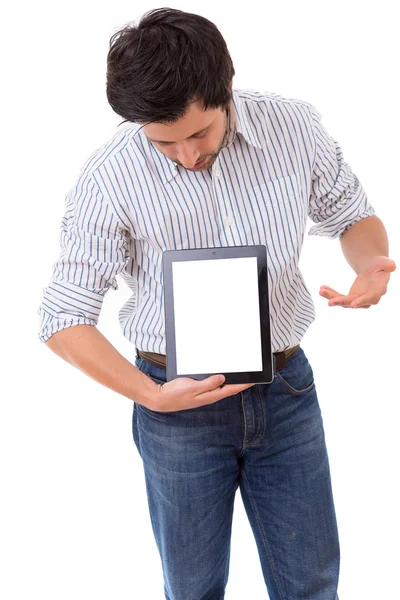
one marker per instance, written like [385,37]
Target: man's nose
[188,156]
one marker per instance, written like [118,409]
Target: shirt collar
[238,122]
[243,122]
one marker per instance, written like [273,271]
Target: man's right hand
[183,393]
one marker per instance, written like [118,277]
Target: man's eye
[197,137]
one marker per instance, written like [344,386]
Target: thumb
[210,383]
[391,266]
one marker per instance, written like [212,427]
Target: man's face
[196,136]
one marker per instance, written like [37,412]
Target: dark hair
[170,59]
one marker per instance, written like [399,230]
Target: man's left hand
[368,288]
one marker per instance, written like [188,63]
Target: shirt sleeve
[94,248]
[337,199]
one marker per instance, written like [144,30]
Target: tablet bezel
[266,375]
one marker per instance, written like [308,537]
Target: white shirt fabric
[130,203]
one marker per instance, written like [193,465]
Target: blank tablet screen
[217,316]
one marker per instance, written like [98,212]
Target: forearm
[363,241]
[85,348]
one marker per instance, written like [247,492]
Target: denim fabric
[269,441]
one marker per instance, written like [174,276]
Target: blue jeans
[269,441]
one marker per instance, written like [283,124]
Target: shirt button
[228,221]
[217,173]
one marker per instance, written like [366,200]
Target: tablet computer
[217,317]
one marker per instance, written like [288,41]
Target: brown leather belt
[160,360]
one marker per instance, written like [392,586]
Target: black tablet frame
[223,252]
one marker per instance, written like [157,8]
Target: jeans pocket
[155,373]
[297,376]
[293,390]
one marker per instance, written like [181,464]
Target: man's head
[173,73]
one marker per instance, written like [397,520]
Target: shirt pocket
[277,191]
[278,204]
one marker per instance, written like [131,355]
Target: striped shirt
[130,203]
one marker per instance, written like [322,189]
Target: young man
[200,164]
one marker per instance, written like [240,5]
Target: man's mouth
[200,163]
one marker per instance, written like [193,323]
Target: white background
[73,502]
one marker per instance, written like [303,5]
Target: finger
[215,381]
[342,300]
[328,292]
[210,383]
[361,301]
[231,388]
[354,304]
[239,387]
[219,393]
[338,301]
[327,288]
[390,266]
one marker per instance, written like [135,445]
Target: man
[199,164]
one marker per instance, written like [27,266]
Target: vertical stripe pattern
[130,203]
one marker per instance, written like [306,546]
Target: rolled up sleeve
[94,248]
[337,199]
